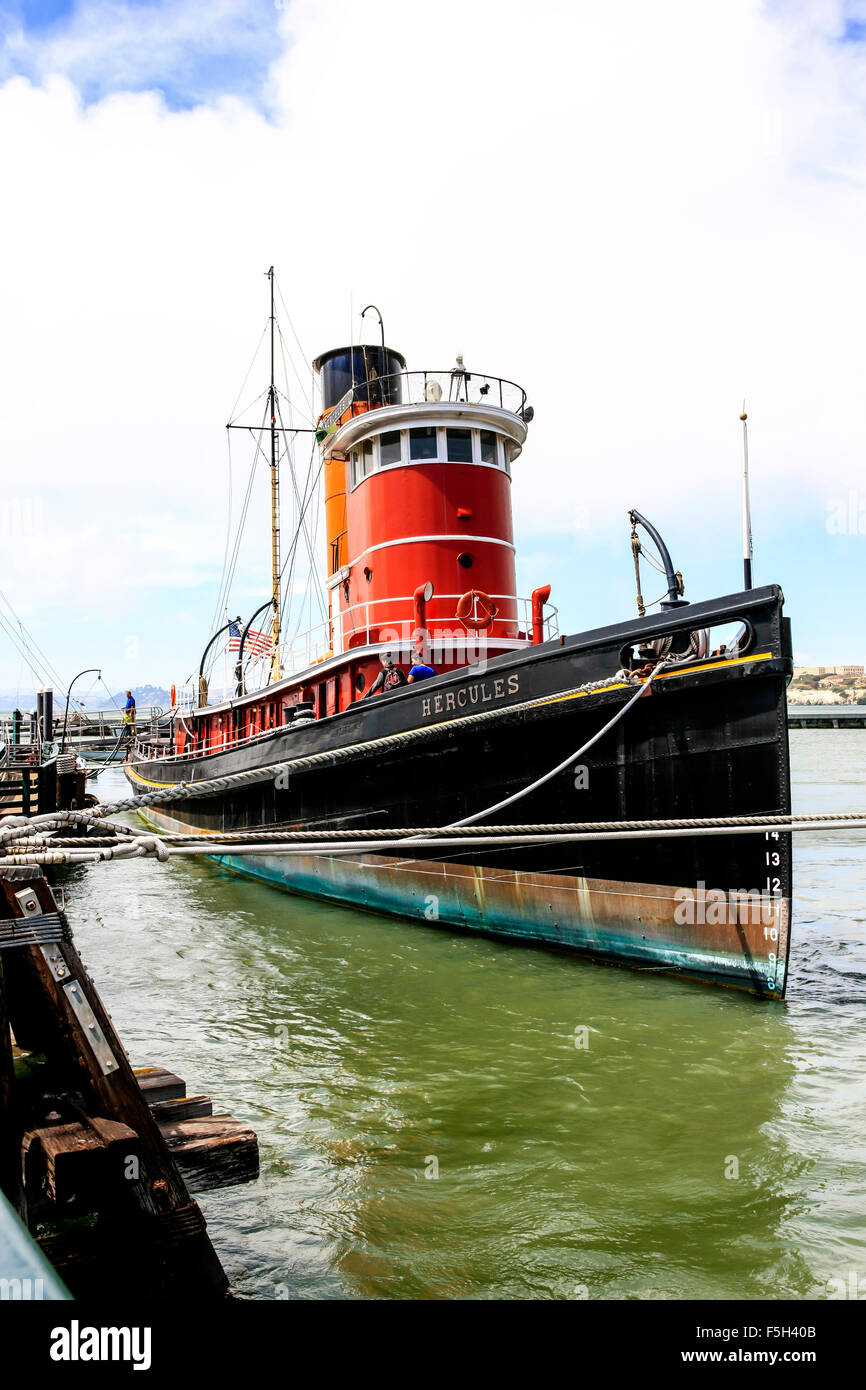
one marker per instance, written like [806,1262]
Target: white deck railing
[374,623]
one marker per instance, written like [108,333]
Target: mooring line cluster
[16,827]
[330,842]
[33,840]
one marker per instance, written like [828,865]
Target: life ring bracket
[468,606]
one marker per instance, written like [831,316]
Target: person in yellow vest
[129,719]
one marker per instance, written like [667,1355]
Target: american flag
[257,643]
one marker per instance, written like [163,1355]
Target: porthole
[465,561]
[360,681]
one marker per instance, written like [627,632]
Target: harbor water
[441,1116]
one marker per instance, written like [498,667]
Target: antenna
[747,510]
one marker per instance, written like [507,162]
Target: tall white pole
[747,510]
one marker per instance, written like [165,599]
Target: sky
[645,214]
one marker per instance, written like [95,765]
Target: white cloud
[642,212]
[174,45]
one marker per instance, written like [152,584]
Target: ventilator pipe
[420,599]
[539,599]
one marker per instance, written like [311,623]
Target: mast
[275,506]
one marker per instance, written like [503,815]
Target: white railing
[80,724]
[373,623]
[429,387]
[361,624]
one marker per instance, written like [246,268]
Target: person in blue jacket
[419,671]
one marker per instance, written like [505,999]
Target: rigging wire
[235,416]
[649,559]
[283,351]
[112,698]
[306,521]
[304,354]
[22,650]
[229,576]
[228,532]
[232,415]
[291,555]
[302,509]
[304,492]
[249,369]
[30,650]
[238,538]
[30,642]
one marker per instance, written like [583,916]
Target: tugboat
[678,715]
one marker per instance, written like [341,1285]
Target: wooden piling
[10,1125]
[149,1234]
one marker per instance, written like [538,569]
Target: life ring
[484,602]
[173,697]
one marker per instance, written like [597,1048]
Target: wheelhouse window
[489,447]
[459,446]
[423,443]
[390,448]
[428,444]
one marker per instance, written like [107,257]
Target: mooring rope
[124,842]
[153,845]
[17,827]
[762,821]
[268,842]
[572,758]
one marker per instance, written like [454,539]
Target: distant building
[829,671]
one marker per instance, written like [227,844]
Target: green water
[369,1053]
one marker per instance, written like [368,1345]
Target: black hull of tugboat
[708,740]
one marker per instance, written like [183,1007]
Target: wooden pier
[827,716]
[97,1159]
[30,787]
